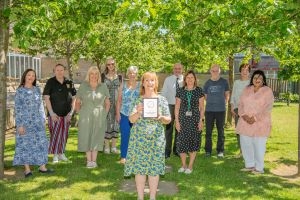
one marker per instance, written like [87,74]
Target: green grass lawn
[212,178]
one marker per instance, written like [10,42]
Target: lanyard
[189,98]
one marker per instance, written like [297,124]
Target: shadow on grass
[212,178]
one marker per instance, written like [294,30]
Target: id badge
[188,113]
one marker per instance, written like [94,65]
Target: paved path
[164,187]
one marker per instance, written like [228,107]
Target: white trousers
[253,150]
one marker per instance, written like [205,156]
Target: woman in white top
[238,87]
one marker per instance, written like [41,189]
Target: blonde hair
[90,70]
[149,75]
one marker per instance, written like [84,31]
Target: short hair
[245,65]
[178,64]
[149,75]
[187,73]
[90,70]
[133,69]
[59,64]
[215,65]
[260,73]
[23,78]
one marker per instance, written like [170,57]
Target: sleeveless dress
[146,150]
[189,138]
[112,128]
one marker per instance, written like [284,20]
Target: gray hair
[133,69]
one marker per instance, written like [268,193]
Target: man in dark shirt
[216,92]
[59,94]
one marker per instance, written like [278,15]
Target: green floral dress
[146,150]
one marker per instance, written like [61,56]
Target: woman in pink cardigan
[254,126]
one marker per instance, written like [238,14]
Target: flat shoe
[188,171]
[257,172]
[48,171]
[122,161]
[28,174]
[248,169]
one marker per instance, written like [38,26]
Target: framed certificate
[150,107]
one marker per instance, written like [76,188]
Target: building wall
[79,71]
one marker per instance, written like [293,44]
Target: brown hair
[193,73]
[22,82]
[245,65]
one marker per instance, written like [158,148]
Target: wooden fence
[281,86]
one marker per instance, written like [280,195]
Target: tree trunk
[230,81]
[299,128]
[4,37]
[298,27]
[70,67]
[99,65]
[69,61]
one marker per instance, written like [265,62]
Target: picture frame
[150,108]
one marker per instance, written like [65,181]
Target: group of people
[32,146]
[107,104]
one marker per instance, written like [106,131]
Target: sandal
[122,161]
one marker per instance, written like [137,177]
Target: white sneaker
[220,155]
[55,158]
[181,170]
[90,164]
[94,164]
[62,157]
[114,150]
[188,171]
[106,151]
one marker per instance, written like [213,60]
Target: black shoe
[48,171]
[28,174]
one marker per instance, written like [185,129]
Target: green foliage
[288,96]
[155,34]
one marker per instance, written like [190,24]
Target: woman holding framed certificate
[189,111]
[146,150]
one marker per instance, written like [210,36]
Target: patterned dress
[189,138]
[146,150]
[32,147]
[112,125]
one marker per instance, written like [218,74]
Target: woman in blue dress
[146,149]
[31,140]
